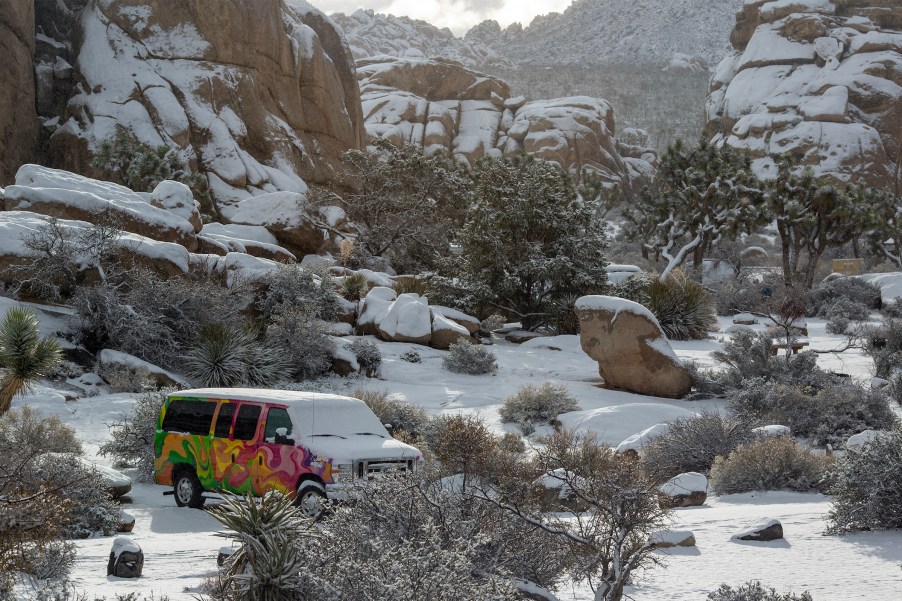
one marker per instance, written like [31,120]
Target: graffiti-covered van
[252,441]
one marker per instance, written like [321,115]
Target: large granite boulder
[259,94]
[19,126]
[818,80]
[632,352]
[445,107]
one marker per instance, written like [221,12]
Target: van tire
[187,489]
[311,499]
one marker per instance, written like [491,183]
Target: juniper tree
[529,241]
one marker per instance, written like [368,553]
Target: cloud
[457,15]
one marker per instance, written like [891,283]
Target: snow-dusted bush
[225,356]
[491,323]
[537,404]
[837,324]
[411,357]
[867,489]
[852,298]
[368,354]
[465,446]
[742,296]
[884,346]
[705,381]
[294,288]
[754,591]
[125,378]
[301,341]
[691,444]
[470,359]
[829,414]
[683,308]
[777,463]
[132,437]
[27,431]
[401,415]
[151,317]
[749,355]
[634,288]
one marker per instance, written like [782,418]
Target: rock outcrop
[632,352]
[445,107]
[258,95]
[816,79]
[685,490]
[19,127]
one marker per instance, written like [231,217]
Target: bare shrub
[754,591]
[537,404]
[301,340]
[124,378]
[465,446]
[401,415]
[132,437]
[470,359]
[691,444]
[776,463]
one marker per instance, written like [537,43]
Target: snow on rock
[111,358]
[298,225]
[446,332]
[631,349]
[772,431]
[178,199]
[765,530]
[407,319]
[459,317]
[614,424]
[254,240]
[260,96]
[637,441]
[890,284]
[63,195]
[373,307]
[443,106]
[684,484]
[817,80]
[863,438]
[666,539]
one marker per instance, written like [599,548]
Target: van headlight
[342,472]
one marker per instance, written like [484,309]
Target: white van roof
[261,395]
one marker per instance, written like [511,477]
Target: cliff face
[259,95]
[818,80]
[18,119]
[443,106]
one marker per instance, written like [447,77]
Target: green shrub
[683,308]
[867,489]
[777,463]
[354,287]
[691,444]
[537,404]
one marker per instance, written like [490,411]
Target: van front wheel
[187,489]
[311,499]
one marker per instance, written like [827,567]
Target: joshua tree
[24,356]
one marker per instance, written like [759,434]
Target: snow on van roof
[263,395]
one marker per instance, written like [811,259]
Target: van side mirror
[390,428]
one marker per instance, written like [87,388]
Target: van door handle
[260,459]
[234,457]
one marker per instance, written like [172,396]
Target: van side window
[278,427]
[246,422]
[192,417]
[224,420]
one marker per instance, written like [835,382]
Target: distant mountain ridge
[588,32]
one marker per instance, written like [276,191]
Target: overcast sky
[458,15]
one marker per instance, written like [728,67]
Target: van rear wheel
[187,489]
[311,499]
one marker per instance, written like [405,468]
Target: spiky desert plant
[354,287]
[24,355]
[683,308]
[225,356]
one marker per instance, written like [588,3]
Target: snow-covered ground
[181,547]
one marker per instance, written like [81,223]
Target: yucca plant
[269,562]
[354,287]
[225,356]
[24,356]
[683,308]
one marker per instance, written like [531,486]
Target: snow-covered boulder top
[766,529]
[177,198]
[863,438]
[685,484]
[65,195]
[890,284]
[124,545]
[637,441]
[262,95]
[406,319]
[631,349]
[251,239]
[815,79]
[773,431]
[443,106]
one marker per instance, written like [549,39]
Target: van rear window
[191,417]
